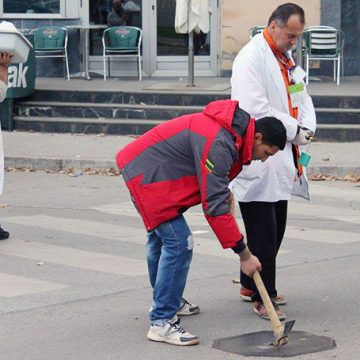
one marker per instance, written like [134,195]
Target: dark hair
[272,130]
[283,12]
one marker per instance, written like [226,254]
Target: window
[39,9]
[31,6]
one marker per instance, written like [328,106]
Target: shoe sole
[246,298]
[154,337]
[281,318]
[280,302]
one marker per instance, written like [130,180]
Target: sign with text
[21,77]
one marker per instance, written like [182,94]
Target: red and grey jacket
[187,161]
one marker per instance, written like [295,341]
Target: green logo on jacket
[209,165]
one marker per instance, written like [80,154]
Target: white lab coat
[3,88]
[258,85]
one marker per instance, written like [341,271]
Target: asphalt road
[73,279]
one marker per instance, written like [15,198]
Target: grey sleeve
[217,166]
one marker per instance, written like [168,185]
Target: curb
[81,164]
[337,171]
[56,164]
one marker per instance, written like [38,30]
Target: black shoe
[3,234]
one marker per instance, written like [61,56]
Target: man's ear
[272,25]
[258,138]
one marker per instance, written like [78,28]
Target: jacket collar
[248,142]
[244,145]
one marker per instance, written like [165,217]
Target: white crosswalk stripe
[74,257]
[324,212]
[204,240]
[12,285]
[295,208]
[320,189]
[111,232]
[321,235]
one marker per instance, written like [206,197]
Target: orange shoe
[246,294]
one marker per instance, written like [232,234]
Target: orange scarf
[285,64]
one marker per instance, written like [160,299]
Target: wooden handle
[278,328]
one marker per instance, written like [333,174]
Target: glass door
[99,11]
[168,51]
[96,14]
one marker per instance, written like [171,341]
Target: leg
[153,250]
[169,257]
[104,61]
[260,224]
[169,254]
[3,234]
[281,217]
[67,66]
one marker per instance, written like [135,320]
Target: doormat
[183,87]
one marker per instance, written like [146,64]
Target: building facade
[164,53]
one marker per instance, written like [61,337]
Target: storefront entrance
[164,52]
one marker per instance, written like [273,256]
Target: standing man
[5,59]
[266,82]
[179,164]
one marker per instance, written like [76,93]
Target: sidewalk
[203,85]
[55,152]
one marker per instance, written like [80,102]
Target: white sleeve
[247,86]
[3,88]
[307,116]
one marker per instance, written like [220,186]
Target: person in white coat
[5,59]
[266,82]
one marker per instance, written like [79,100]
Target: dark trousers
[265,224]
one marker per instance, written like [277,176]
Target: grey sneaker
[187,308]
[172,333]
[260,309]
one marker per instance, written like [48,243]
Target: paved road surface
[73,279]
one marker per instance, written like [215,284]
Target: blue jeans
[169,253]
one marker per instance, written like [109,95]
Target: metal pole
[191,60]
[87,33]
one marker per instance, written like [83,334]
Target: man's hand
[303,136]
[5,59]
[250,265]
[248,262]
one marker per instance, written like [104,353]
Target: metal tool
[280,332]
